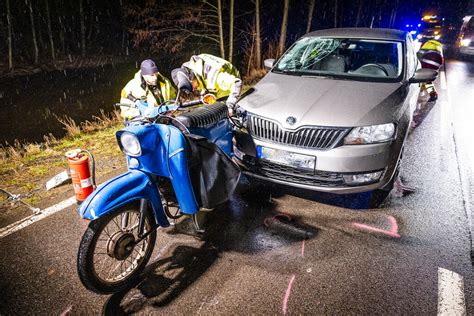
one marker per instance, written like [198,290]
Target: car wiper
[288,72]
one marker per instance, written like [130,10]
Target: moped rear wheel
[110,258]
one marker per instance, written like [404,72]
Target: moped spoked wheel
[110,259]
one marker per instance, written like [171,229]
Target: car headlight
[465,42]
[370,134]
[437,37]
[130,144]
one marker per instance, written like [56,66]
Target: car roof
[361,32]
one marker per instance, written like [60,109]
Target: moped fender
[125,188]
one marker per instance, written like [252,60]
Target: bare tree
[310,15]
[160,26]
[258,39]
[393,16]
[221,28]
[83,29]
[284,26]
[359,11]
[231,30]
[50,33]
[33,31]
[10,41]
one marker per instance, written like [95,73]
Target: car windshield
[343,57]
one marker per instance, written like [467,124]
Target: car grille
[300,176]
[314,137]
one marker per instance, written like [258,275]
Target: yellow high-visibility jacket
[138,89]
[216,75]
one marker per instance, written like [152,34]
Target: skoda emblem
[291,120]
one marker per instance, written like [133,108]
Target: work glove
[232,107]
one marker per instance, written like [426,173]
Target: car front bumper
[330,167]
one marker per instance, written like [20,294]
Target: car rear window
[343,57]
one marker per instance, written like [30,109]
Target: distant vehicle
[333,113]
[431,28]
[465,42]
[430,34]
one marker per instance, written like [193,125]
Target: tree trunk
[50,33]
[83,30]
[335,13]
[231,31]
[258,39]
[310,15]
[10,41]
[394,15]
[33,31]
[221,29]
[359,11]
[284,26]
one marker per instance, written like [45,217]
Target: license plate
[286,157]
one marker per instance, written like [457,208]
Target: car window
[343,57]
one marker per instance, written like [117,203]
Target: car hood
[324,101]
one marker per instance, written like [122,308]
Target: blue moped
[179,160]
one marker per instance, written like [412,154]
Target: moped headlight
[130,144]
[370,134]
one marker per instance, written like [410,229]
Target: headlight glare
[465,42]
[130,144]
[370,134]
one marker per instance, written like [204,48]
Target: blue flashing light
[413,32]
[419,24]
[408,25]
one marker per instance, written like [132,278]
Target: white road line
[443,82]
[450,293]
[10,229]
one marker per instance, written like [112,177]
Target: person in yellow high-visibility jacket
[211,74]
[431,57]
[147,85]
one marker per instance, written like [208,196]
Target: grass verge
[25,168]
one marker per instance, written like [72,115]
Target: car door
[412,66]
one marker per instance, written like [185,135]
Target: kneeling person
[147,85]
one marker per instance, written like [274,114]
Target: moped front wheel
[111,256]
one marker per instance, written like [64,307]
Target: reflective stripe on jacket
[216,75]
[138,89]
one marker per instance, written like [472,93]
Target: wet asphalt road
[322,261]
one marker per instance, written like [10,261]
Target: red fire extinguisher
[83,180]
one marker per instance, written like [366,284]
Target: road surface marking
[393,232]
[450,293]
[287,294]
[10,229]
[302,248]
[443,82]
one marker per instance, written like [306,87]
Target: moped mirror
[424,75]
[269,63]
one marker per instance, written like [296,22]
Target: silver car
[333,113]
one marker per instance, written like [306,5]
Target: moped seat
[204,115]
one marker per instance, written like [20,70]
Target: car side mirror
[424,75]
[268,63]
